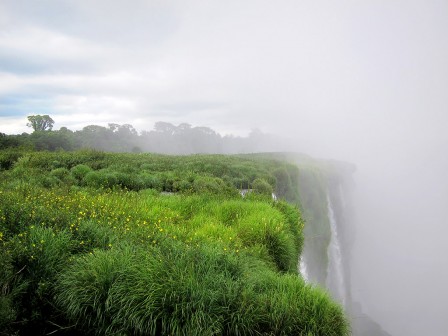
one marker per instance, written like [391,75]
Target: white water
[342,197]
[303,270]
[335,275]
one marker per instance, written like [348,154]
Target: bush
[260,186]
[8,159]
[151,181]
[60,173]
[100,179]
[207,184]
[182,185]
[80,171]
[63,175]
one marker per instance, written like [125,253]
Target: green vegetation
[163,138]
[316,180]
[95,243]
[40,123]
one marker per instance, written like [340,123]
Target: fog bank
[360,81]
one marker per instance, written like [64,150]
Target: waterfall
[342,197]
[335,272]
[303,270]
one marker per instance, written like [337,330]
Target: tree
[40,122]
[165,127]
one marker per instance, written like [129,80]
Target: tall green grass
[174,290]
[86,248]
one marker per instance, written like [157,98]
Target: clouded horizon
[362,81]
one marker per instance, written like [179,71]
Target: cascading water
[335,273]
[303,270]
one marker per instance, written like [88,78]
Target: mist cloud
[363,81]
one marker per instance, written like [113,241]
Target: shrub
[60,173]
[182,185]
[260,186]
[80,171]
[63,175]
[207,184]
[49,181]
[8,159]
[151,181]
[168,179]
[100,179]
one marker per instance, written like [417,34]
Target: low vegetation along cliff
[144,244]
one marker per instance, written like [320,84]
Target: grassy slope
[90,246]
[316,179]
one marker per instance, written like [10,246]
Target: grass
[119,260]
[172,290]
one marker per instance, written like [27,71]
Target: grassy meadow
[95,243]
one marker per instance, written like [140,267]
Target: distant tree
[165,127]
[65,130]
[205,140]
[95,136]
[40,122]
[52,141]
[183,127]
[126,130]
[7,141]
[113,127]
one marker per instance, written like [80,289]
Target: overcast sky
[363,81]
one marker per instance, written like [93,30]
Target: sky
[361,81]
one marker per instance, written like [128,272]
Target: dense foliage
[318,181]
[144,244]
[164,138]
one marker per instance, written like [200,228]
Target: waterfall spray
[303,270]
[335,275]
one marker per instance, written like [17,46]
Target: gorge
[326,192]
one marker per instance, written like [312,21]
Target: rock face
[325,195]
[362,324]
[325,189]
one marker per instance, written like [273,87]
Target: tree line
[163,138]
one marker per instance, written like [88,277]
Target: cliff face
[325,189]
[313,199]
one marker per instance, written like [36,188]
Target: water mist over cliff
[326,189]
[335,274]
